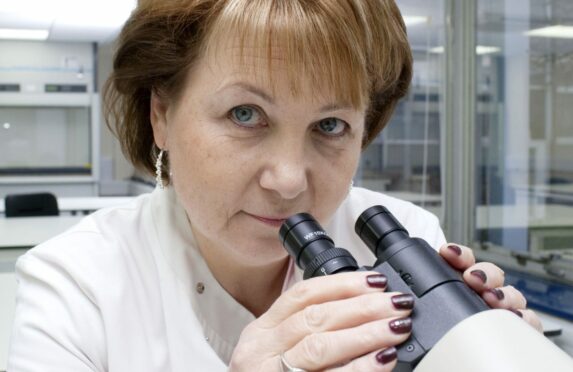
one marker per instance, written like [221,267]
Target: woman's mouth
[270,221]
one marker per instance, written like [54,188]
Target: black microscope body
[442,299]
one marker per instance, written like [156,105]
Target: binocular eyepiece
[410,264]
[314,251]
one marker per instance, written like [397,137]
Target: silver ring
[286,367]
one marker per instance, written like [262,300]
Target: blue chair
[31,205]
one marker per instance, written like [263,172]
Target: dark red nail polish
[387,355]
[403,301]
[454,248]
[402,325]
[516,312]
[377,280]
[497,292]
[479,274]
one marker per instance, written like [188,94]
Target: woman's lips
[271,221]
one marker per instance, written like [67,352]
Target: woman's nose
[285,172]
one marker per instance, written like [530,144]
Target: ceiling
[101,20]
[67,20]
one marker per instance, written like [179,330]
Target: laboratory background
[483,139]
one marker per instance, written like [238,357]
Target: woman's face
[244,157]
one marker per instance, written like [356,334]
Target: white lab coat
[127,290]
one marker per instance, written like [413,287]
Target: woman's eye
[332,126]
[246,116]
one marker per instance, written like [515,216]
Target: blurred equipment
[31,205]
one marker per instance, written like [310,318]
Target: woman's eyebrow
[267,97]
[335,106]
[249,88]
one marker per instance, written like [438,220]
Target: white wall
[115,168]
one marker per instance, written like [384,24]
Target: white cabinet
[49,119]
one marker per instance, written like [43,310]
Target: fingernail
[377,280]
[403,301]
[454,248]
[497,292]
[479,274]
[402,325]
[387,355]
[516,312]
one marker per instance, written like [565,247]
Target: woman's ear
[158,118]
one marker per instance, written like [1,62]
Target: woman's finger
[319,290]
[504,298]
[458,256]
[341,314]
[376,361]
[318,351]
[483,276]
[530,317]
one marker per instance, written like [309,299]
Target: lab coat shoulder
[71,287]
[98,251]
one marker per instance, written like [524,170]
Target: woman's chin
[263,254]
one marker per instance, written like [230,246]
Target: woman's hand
[487,279]
[343,322]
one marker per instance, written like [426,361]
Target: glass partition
[524,131]
[524,145]
[404,160]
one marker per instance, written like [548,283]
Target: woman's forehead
[270,68]
[296,40]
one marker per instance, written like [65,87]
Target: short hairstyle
[358,48]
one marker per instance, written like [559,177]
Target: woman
[248,111]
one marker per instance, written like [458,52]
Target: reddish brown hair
[358,48]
